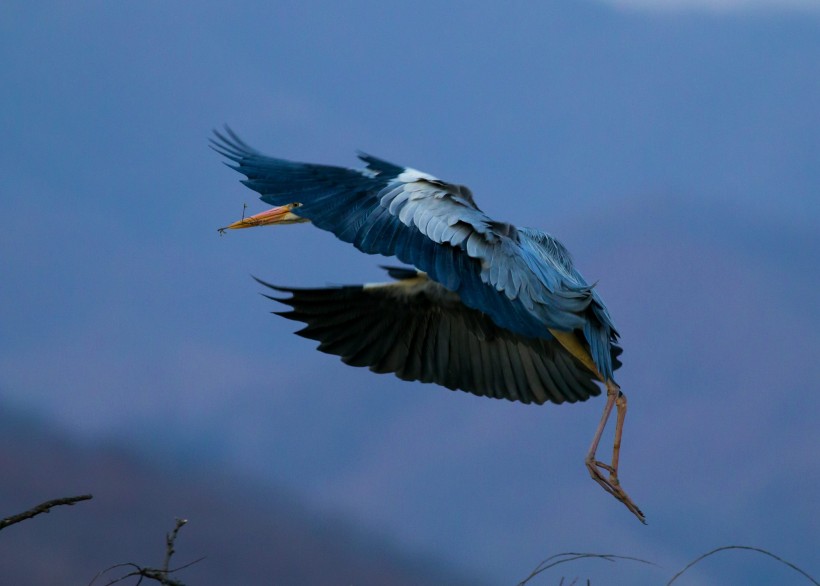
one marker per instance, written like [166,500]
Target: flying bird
[488,308]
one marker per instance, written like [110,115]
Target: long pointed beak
[280,215]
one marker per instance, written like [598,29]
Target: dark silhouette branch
[748,548]
[42,508]
[161,575]
[561,558]
[170,538]
[572,556]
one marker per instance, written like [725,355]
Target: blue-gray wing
[436,227]
[420,331]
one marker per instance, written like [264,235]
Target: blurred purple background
[674,152]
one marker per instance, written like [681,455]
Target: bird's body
[490,309]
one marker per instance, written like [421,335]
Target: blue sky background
[673,151]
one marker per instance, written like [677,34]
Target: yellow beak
[280,215]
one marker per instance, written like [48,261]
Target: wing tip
[228,144]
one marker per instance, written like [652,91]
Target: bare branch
[170,538]
[572,556]
[161,575]
[746,547]
[42,508]
[561,558]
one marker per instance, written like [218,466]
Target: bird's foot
[612,485]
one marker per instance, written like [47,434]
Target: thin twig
[572,556]
[561,558]
[225,229]
[170,538]
[42,508]
[748,548]
[114,567]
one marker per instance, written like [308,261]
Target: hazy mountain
[248,533]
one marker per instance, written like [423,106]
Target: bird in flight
[489,308]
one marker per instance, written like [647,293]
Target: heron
[487,307]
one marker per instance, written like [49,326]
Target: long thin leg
[614,397]
[620,403]
[610,403]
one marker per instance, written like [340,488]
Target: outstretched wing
[433,225]
[419,330]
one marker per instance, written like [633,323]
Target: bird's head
[280,215]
